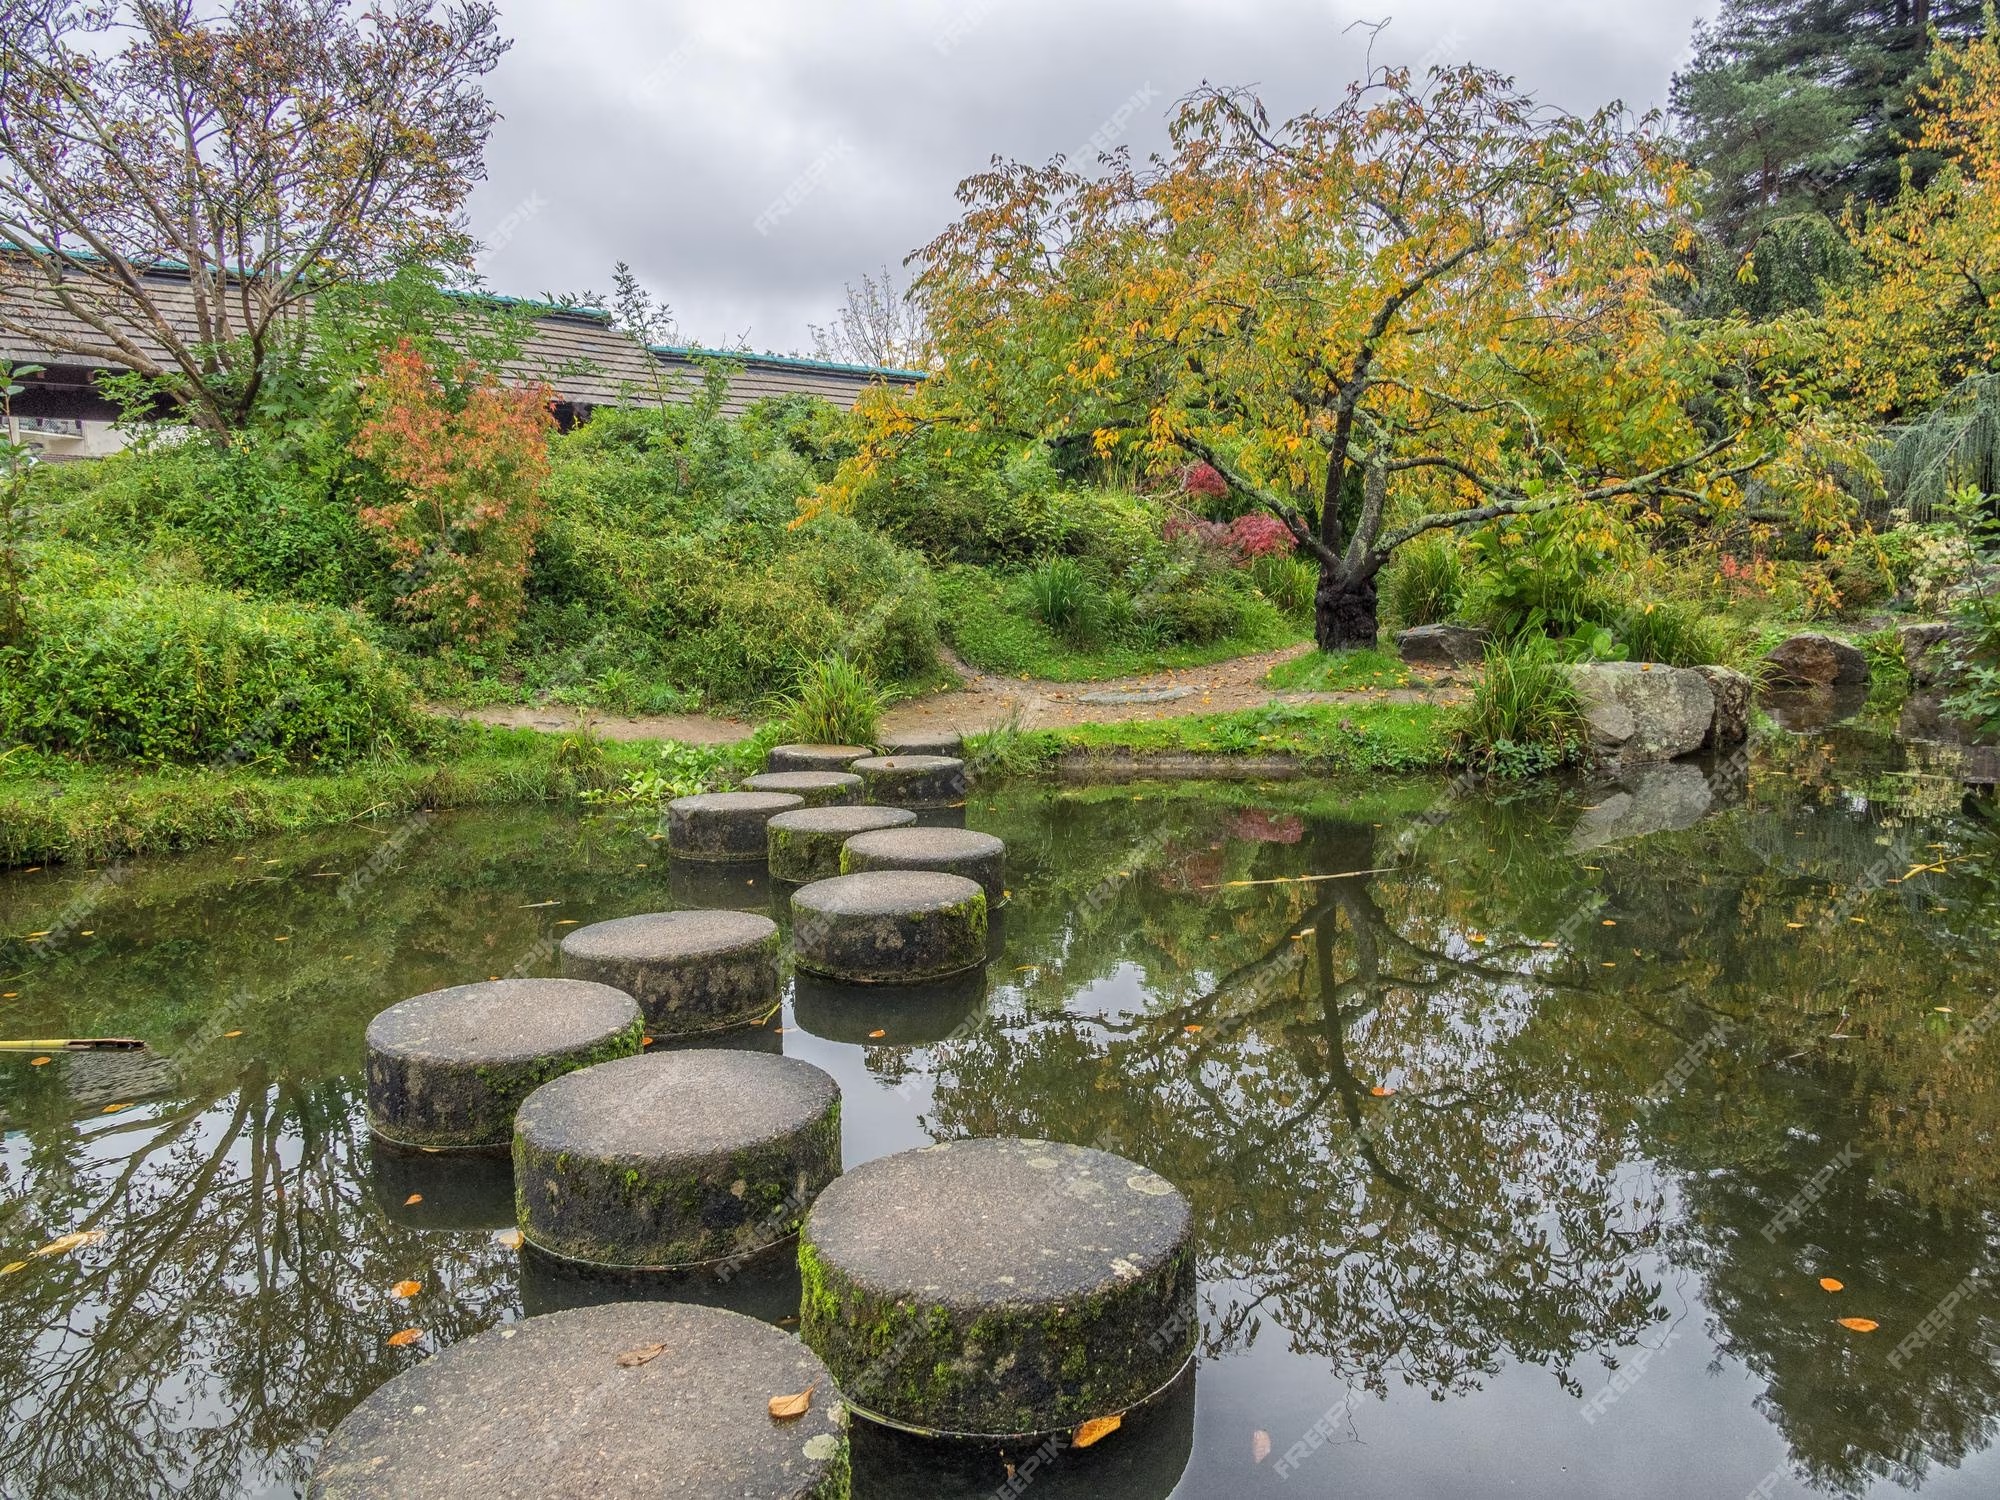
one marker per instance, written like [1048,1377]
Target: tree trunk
[1344,614]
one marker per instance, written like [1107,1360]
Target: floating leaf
[876,1033]
[406,1289]
[1860,1325]
[1260,1446]
[1828,1284]
[112,1109]
[63,1244]
[509,1238]
[40,1062]
[232,1033]
[1192,1027]
[1095,1430]
[1380,1092]
[631,1359]
[413,1198]
[784,1408]
[405,1338]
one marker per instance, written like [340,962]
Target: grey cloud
[749,159]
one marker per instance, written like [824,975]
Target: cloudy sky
[750,157]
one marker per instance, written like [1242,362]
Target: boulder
[1732,690]
[1814,660]
[1639,712]
[1442,645]
[1930,653]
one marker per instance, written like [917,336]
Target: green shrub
[1197,614]
[1540,571]
[184,673]
[834,703]
[1426,582]
[1291,583]
[1674,633]
[1524,715]
[1064,599]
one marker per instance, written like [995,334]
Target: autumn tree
[176,178]
[1429,307]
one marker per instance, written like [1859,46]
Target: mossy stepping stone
[447,1070]
[889,927]
[638,1400]
[674,1159]
[816,788]
[724,825]
[921,781]
[804,846]
[954,851]
[691,971]
[814,757]
[999,1288]
[924,742]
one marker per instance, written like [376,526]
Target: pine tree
[1795,106]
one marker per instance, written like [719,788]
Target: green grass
[55,810]
[1363,671]
[1359,737]
[996,639]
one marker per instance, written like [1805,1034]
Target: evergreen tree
[1794,106]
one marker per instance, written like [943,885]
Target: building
[576,351]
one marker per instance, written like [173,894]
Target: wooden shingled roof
[578,353]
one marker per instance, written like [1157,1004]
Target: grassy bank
[53,809]
[1359,737]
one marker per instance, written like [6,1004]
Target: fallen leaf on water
[40,1062]
[1795,926]
[1380,1092]
[1260,1446]
[12,1266]
[232,1033]
[63,1244]
[1860,1325]
[510,1238]
[112,1109]
[413,1198]
[1192,1026]
[1828,1284]
[631,1359]
[786,1407]
[406,1337]
[648,1041]
[1095,1430]
[406,1289]
[878,1032]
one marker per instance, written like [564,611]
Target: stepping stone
[674,1159]
[652,1399]
[999,1288]
[724,825]
[955,851]
[817,788]
[924,742]
[894,1015]
[804,846]
[447,1070]
[913,780]
[691,971]
[889,927]
[814,757]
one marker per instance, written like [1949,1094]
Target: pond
[1521,1128]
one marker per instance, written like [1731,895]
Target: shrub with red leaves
[1259,535]
[1204,482]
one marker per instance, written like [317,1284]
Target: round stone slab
[804,846]
[924,742]
[447,1070]
[817,788]
[724,825]
[814,757]
[690,971]
[999,1288]
[913,780]
[674,1159]
[954,851]
[889,927]
[641,1400]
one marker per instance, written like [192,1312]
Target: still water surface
[1517,1160]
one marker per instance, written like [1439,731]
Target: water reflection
[1465,1092]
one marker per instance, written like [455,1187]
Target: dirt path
[985,702]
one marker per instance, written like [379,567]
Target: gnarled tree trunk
[1344,609]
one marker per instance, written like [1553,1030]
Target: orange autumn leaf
[631,1359]
[1380,1092]
[1095,1430]
[112,1109]
[406,1289]
[1192,1027]
[405,1338]
[1860,1325]
[413,1198]
[1828,1284]
[784,1408]
[1260,1446]
[877,1033]
[228,1034]
[39,1062]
